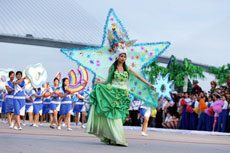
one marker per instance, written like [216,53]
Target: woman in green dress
[110,102]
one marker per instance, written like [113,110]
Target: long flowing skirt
[109,131]
[109,109]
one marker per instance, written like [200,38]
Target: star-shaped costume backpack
[99,59]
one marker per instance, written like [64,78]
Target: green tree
[153,70]
[221,73]
[180,73]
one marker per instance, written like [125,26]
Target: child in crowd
[167,122]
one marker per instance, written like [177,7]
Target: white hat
[120,49]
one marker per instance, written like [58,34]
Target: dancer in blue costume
[29,108]
[1,100]
[37,105]
[55,103]
[79,107]
[19,98]
[66,105]
[9,107]
[3,111]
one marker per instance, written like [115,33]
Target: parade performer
[55,103]
[3,108]
[110,103]
[110,98]
[9,107]
[19,98]
[66,105]
[1,101]
[79,107]
[37,105]
[46,103]
[29,107]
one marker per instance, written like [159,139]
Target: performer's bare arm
[9,90]
[20,81]
[79,96]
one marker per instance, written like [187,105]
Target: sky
[198,30]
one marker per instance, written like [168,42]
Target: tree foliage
[153,70]
[221,73]
[177,71]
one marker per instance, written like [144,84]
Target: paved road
[45,140]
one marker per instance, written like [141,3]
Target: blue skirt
[78,108]
[65,109]
[29,107]
[9,106]
[45,108]
[185,118]
[142,112]
[3,107]
[55,106]
[37,108]
[19,107]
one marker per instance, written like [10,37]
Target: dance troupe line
[16,101]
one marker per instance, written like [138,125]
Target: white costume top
[168,119]
[188,100]
[135,104]
[225,106]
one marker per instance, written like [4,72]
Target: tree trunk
[185,87]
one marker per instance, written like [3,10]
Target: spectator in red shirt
[228,82]
[196,88]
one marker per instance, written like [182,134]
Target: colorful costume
[98,60]
[110,102]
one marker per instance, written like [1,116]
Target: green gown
[109,109]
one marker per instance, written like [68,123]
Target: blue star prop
[97,60]
[160,81]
